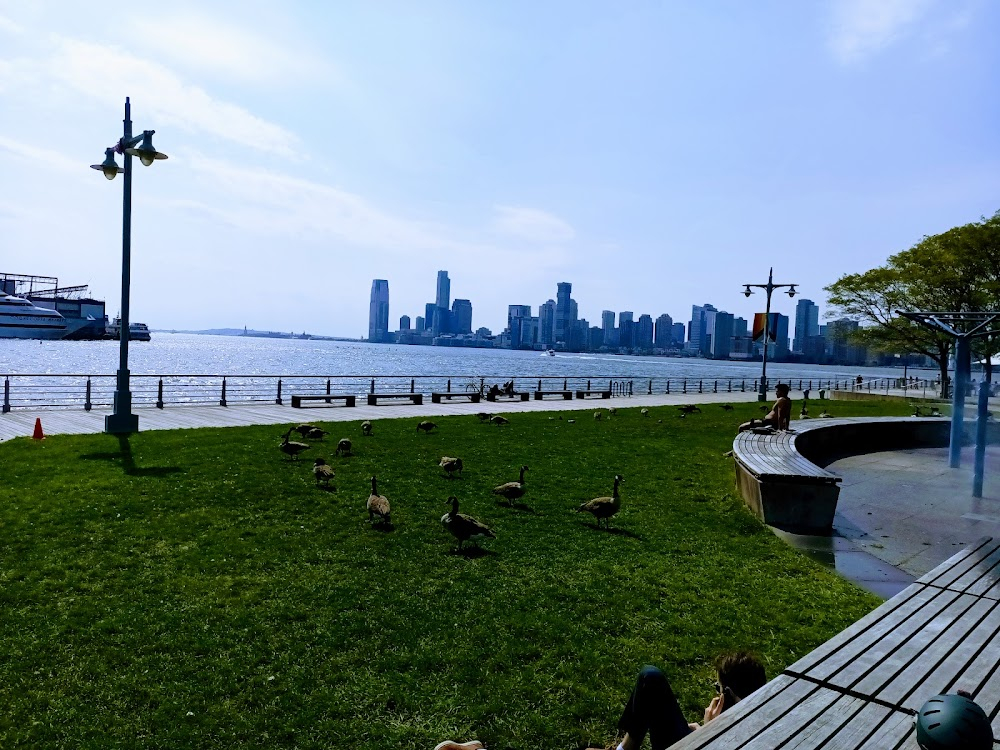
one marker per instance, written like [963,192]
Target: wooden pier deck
[864,687]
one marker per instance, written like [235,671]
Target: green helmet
[947,722]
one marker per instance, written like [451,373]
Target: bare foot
[470,745]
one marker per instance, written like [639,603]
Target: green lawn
[194,588]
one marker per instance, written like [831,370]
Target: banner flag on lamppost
[760,321]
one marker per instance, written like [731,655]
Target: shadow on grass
[518,506]
[617,531]
[326,487]
[472,553]
[128,462]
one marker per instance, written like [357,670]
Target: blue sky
[655,154]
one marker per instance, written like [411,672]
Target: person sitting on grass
[780,414]
[652,707]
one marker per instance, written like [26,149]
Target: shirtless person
[780,414]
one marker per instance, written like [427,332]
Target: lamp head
[109,166]
[145,151]
[747,291]
[791,290]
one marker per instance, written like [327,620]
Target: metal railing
[34,391]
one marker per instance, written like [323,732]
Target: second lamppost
[769,287]
[122,421]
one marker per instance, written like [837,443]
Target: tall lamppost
[122,421]
[769,287]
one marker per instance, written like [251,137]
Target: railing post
[684,385]
[6,395]
[743,385]
[539,384]
[650,391]
[715,386]
[449,385]
[668,386]
[159,394]
[413,385]
[86,404]
[630,383]
[278,399]
[730,386]
[222,401]
[372,389]
[588,385]
[564,384]
[700,388]
[328,387]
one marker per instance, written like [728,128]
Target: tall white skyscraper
[378,311]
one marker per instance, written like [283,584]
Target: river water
[195,354]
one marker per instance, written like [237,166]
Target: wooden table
[863,688]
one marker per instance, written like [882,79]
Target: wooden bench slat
[982,576]
[988,696]
[800,720]
[949,567]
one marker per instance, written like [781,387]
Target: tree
[955,271]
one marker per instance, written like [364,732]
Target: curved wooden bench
[781,476]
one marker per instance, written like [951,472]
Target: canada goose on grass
[303,429]
[824,414]
[726,407]
[499,421]
[483,416]
[511,491]
[464,528]
[690,408]
[644,412]
[612,411]
[597,416]
[291,448]
[322,471]
[426,426]
[343,447]
[316,434]
[451,465]
[366,428]
[604,507]
[804,414]
[377,505]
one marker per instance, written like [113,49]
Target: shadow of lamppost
[122,421]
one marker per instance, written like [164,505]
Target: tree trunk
[943,368]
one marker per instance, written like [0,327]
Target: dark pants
[653,708]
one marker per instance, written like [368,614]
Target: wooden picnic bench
[297,399]
[864,687]
[473,396]
[539,395]
[515,396]
[601,392]
[415,398]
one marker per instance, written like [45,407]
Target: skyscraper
[520,333]
[563,310]
[378,311]
[547,323]
[678,334]
[404,322]
[806,324]
[699,330]
[443,290]
[626,327]
[663,335]
[608,326]
[644,332]
[461,316]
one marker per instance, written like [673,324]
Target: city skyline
[658,154]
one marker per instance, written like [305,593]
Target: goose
[464,528]
[597,416]
[804,414]
[426,426]
[726,407]
[689,408]
[316,434]
[377,505]
[511,490]
[570,421]
[644,412]
[291,448]
[612,411]
[499,421]
[604,507]
[322,471]
[825,414]
[303,429]
[343,447]
[366,428]
[451,465]
[483,416]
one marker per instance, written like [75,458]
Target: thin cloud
[10,27]
[102,72]
[862,28]
[37,156]
[531,224]
[202,43]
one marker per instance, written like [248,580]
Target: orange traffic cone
[38,434]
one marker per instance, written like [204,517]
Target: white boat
[20,319]
[136,331]
[550,352]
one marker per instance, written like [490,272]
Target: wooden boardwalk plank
[956,567]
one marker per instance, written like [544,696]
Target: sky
[656,155]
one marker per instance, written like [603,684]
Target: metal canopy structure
[963,327]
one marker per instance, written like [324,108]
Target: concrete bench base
[415,398]
[567,395]
[297,400]
[516,396]
[603,393]
[473,396]
[798,505]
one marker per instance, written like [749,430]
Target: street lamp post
[769,287]
[122,421]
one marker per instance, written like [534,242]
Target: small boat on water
[550,352]
[22,319]
[136,331]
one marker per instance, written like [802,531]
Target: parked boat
[20,319]
[136,331]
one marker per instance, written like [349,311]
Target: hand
[714,708]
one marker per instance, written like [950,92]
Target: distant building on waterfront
[404,322]
[698,328]
[806,324]
[461,316]
[378,312]
[644,332]
[663,335]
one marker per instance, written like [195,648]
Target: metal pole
[962,352]
[87,406]
[762,396]
[980,461]
[6,395]
[122,421]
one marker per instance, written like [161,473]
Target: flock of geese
[462,526]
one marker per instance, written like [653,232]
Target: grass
[193,588]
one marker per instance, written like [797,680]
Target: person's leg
[652,708]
